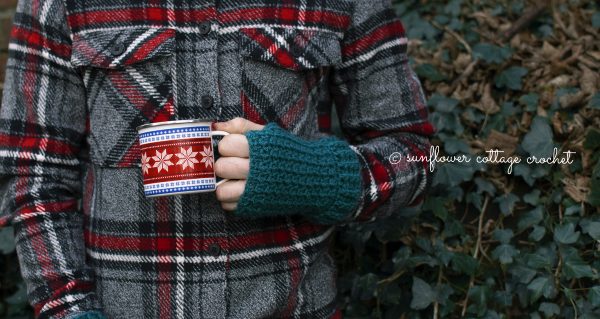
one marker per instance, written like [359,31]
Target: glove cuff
[319,179]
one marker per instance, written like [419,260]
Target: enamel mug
[177,157]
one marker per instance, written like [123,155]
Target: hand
[234,162]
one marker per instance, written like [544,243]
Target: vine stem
[436,305]
[480,227]
[476,252]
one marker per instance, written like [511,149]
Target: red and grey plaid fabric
[82,75]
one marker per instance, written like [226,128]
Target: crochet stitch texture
[87,315]
[319,179]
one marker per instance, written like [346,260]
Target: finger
[238,125]
[232,167]
[230,191]
[234,145]
[229,206]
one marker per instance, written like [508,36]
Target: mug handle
[218,133]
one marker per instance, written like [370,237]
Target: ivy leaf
[454,145]
[594,195]
[592,229]
[503,235]
[537,233]
[594,296]
[566,234]
[549,309]
[505,253]
[453,7]
[442,103]
[530,101]
[577,269]
[452,174]
[530,218]
[479,294]
[524,170]
[537,261]
[391,294]
[436,205]
[511,78]
[19,297]
[539,140]
[522,273]
[364,288]
[503,297]
[596,20]
[7,241]
[463,263]
[429,72]
[541,286]
[532,198]
[592,139]
[491,53]
[421,28]
[422,293]
[484,185]
[442,253]
[573,265]
[507,203]
[595,101]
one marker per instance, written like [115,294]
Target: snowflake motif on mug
[162,160]
[145,163]
[187,158]
[207,156]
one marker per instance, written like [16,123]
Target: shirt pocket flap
[291,48]
[113,49]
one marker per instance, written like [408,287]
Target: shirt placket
[196,96]
[196,91]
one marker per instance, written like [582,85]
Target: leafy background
[520,76]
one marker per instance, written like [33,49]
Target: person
[82,75]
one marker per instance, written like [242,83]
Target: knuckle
[244,165]
[219,166]
[238,122]
[224,142]
[221,192]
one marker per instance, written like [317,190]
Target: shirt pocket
[128,79]
[282,69]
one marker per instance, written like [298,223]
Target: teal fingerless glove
[87,315]
[319,179]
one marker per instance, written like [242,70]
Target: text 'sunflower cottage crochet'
[290,175]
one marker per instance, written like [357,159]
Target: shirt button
[214,249]
[207,101]
[205,28]
[117,49]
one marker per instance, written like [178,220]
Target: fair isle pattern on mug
[177,160]
[82,75]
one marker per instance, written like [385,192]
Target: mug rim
[147,125]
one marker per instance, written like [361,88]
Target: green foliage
[595,101]
[484,243]
[596,20]
[538,141]
[511,78]
[429,72]
[491,53]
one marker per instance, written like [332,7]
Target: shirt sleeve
[382,111]
[42,135]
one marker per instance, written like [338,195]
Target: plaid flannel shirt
[82,75]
